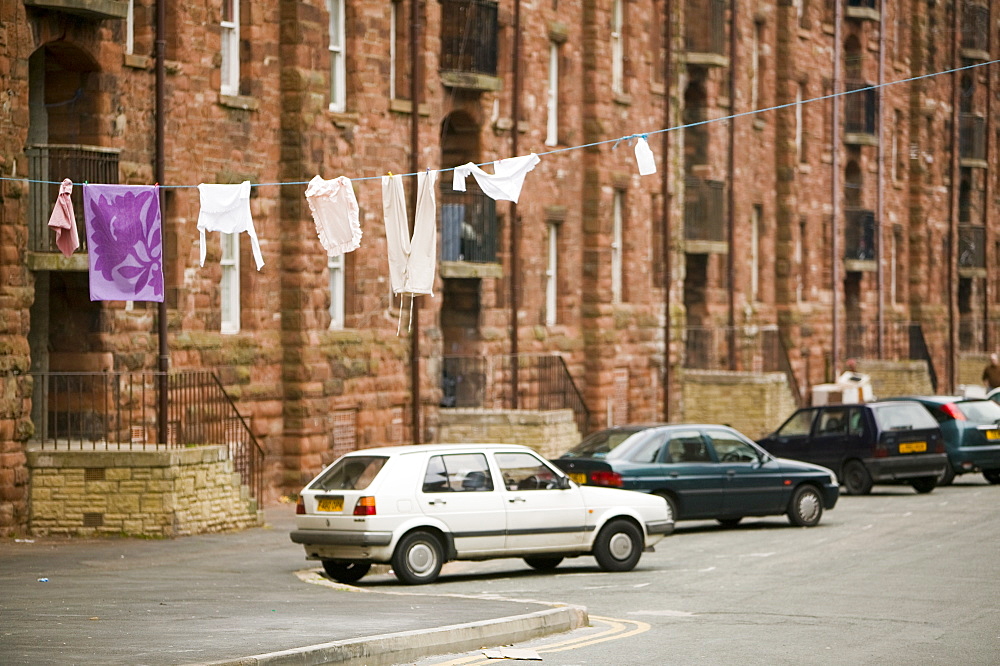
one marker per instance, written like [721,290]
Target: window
[338,68]
[523,471]
[755,67]
[552,100]
[230,47]
[230,283]
[464,472]
[800,265]
[335,265]
[800,155]
[552,276]
[399,56]
[617,48]
[800,424]
[729,448]
[130,28]
[755,258]
[616,248]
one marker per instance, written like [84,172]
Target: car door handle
[516,499]
[730,472]
[674,475]
[439,501]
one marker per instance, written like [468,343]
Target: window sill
[623,98]
[242,102]
[343,119]
[406,106]
[137,61]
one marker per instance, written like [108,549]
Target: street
[894,577]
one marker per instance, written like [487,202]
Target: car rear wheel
[543,563]
[924,484]
[857,480]
[418,558]
[729,522]
[806,507]
[992,475]
[671,504]
[346,572]
[618,547]
[947,476]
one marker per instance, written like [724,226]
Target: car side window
[798,425]
[523,471]
[687,446]
[650,450]
[855,422]
[462,472]
[731,449]
[832,422]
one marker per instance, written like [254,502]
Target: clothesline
[627,137]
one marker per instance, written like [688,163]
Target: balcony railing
[860,108]
[543,382]
[900,341]
[119,411]
[972,137]
[859,234]
[50,164]
[975,27]
[704,210]
[705,26]
[971,246]
[978,335]
[864,4]
[468,226]
[469,36]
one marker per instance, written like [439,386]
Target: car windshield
[350,473]
[614,444]
[980,411]
[904,416]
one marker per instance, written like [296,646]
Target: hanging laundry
[124,242]
[411,261]
[226,209]
[335,211]
[504,184]
[64,221]
[644,157]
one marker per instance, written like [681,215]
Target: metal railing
[705,26]
[972,137]
[859,234]
[543,382]
[900,341]
[740,348]
[975,26]
[50,164]
[118,411]
[971,246]
[704,210]
[469,36]
[468,226]
[860,108]
[866,4]
[978,335]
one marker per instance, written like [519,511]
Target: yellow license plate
[913,447]
[330,504]
[993,434]
[581,479]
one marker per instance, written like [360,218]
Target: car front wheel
[346,572]
[418,558]
[857,480]
[924,484]
[543,563]
[618,547]
[992,475]
[806,507]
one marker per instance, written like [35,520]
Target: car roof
[938,399]
[437,448]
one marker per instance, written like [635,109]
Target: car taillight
[613,479]
[365,507]
[939,446]
[952,410]
[881,451]
[300,507]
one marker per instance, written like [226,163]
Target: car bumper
[901,468]
[831,493]
[974,458]
[661,528]
[341,538]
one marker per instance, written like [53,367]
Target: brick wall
[551,433]
[894,378]
[164,493]
[754,404]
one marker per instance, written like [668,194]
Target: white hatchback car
[417,507]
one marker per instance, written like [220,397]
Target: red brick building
[830,225]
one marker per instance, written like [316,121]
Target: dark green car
[704,472]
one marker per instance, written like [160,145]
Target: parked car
[878,442]
[704,472]
[971,435]
[417,507]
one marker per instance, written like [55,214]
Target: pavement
[242,598]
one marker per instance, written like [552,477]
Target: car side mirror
[563,483]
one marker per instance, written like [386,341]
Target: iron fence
[975,27]
[860,108]
[469,36]
[971,246]
[972,137]
[705,26]
[48,165]
[900,341]
[119,411]
[468,226]
[543,382]
[978,335]
[704,210]
[859,234]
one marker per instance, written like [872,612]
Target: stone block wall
[159,493]
[549,432]
[895,378]
[753,403]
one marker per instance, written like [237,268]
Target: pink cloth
[63,220]
[335,211]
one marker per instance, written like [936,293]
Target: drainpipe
[514,236]
[666,166]
[956,174]
[880,179]
[731,166]
[159,175]
[987,288]
[416,79]
[838,18]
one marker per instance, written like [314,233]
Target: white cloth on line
[411,260]
[504,184]
[335,211]
[226,209]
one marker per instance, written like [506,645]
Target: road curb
[407,646]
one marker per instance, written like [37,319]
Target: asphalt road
[891,578]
